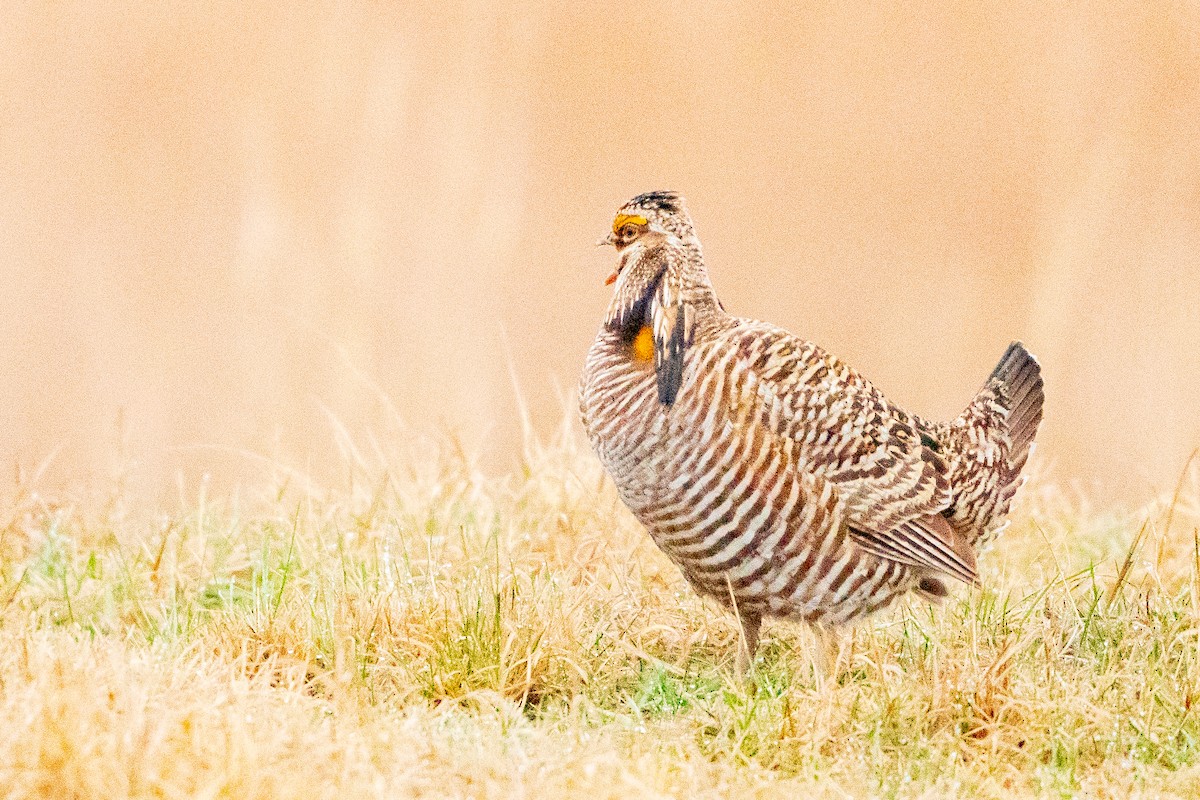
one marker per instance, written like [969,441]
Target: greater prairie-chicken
[779,480]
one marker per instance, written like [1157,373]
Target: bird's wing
[835,424]
[926,541]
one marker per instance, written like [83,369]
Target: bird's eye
[628,232]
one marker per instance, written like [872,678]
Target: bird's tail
[990,443]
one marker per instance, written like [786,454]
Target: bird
[779,480]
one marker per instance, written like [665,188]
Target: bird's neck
[673,274]
[699,293]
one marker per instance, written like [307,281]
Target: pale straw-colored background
[225,225]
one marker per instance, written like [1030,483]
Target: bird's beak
[610,239]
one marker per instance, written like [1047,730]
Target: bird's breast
[647,447]
[618,402]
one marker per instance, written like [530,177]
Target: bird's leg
[827,653]
[751,622]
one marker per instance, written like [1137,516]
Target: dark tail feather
[1021,378]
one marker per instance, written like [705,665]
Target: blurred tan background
[224,225]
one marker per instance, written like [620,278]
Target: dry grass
[425,630]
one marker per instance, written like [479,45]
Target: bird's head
[647,220]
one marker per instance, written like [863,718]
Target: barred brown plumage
[779,480]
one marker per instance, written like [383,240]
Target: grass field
[423,630]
